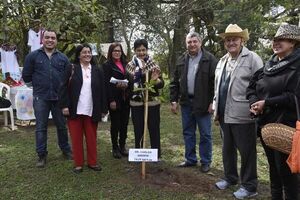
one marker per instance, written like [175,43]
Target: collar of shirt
[195,60]
[89,67]
[43,50]
[199,54]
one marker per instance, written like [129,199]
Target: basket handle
[297,107]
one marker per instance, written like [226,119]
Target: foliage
[81,22]
[163,23]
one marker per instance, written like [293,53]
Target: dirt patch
[186,180]
[172,179]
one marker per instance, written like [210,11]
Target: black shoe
[68,155]
[41,163]
[123,151]
[186,164]
[77,170]
[95,168]
[116,153]
[204,168]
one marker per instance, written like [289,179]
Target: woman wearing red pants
[83,101]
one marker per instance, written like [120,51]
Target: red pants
[83,125]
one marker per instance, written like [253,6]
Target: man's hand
[65,111]
[210,109]
[113,105]
[174,107]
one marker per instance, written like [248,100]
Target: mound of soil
[187,179]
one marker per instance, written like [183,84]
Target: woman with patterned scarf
[271,95]
[141,64]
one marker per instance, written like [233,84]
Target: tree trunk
[179,35]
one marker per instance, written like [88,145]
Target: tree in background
[164,23]
[75,21]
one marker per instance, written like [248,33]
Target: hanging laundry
[35,39]
[9,62]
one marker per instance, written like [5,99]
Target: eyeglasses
[117,51]
[86,52]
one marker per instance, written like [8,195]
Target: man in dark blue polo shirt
[44,69]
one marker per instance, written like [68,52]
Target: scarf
[144,65]
[138,68]
[274,65]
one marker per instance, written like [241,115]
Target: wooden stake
[145,126]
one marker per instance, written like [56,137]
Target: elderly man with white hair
[232,77]
[193,87]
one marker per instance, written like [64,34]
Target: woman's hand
[257,107]
[113,105]
[122,85]
[65,111]
[155,74]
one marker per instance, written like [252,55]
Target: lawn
[119,179]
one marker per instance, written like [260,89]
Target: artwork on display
[23,104]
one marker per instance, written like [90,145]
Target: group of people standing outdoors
[83,93]
[239,91]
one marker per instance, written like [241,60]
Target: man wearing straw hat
[231,107]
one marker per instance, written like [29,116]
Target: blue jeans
[189,122]
[42,109]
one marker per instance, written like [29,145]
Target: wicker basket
[278,136]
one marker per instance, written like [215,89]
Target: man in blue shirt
[44,69]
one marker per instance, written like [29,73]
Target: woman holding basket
[271,94]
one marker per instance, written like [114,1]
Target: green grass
[20,179]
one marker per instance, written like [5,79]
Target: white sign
[142,155]
[115,81]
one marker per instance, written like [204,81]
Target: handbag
[279,136]
[293,160]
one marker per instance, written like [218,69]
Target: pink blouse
[120,66]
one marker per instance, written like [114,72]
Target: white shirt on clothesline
[34,39]
[9,63]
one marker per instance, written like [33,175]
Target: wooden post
[145,125]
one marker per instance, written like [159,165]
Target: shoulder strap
[71,74]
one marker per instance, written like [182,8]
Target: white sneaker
[223,184]
[242,193]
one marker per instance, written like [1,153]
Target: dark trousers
[42,110]
[281,178]
[79,127]
[241,137]
[153,126]
[118,127]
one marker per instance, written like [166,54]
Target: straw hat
[236,31]
[288,31]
